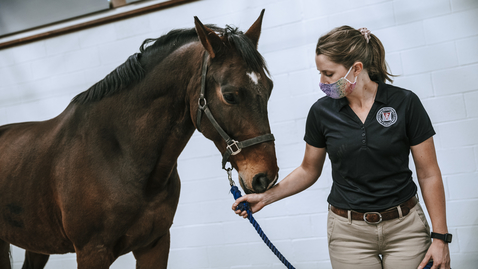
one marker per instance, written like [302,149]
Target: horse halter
[233,147]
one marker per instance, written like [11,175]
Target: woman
[368,129]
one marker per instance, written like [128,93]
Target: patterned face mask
[340,88]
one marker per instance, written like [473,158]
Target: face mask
[340,88]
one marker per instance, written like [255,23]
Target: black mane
[133,70]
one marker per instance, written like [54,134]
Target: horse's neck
[148,124]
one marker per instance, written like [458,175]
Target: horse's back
[21,147]
[18,143]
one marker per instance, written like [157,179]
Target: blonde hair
[346,45]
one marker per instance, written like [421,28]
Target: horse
[101,178]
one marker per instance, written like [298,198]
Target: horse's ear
[209,39]
[255,31]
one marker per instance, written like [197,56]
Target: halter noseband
[233,147]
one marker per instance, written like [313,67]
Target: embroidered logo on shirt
[387,116]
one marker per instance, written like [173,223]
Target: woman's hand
[300,179]
[439,253]
[256,203]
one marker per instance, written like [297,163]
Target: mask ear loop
[345,77]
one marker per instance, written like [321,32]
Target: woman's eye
[325,74]
[230,98]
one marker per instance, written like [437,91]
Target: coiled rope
[245,206]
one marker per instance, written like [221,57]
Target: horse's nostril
[260,182]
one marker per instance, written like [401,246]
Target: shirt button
[363,134]
[363,141]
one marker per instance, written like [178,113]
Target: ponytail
[377,69]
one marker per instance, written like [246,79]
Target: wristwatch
[444,237]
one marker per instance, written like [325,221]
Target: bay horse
[101,178]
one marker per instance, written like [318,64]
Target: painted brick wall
[431,44]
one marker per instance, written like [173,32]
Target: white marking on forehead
[254,77]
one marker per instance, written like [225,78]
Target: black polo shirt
[370,161]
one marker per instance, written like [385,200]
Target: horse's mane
[132,70]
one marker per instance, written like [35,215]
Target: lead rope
[245,206]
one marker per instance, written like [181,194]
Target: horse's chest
[152,224]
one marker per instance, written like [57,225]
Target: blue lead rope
[245,206]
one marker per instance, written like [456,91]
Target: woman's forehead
[325,64]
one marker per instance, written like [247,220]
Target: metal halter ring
[368,213]
[202,106]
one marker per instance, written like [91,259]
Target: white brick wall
[431,44]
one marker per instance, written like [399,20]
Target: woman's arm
[298,180]
[431,184]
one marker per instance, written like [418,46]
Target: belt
[377,217]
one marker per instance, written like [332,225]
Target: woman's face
[329,71]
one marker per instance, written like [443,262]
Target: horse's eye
[230,98]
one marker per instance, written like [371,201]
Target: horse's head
[236,90]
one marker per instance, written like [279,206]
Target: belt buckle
[368,213]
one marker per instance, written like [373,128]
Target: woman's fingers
[242,213]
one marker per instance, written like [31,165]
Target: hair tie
[365,32]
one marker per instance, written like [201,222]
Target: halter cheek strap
[233,147]
[202,104]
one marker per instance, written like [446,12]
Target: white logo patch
[387,116]
[254,77]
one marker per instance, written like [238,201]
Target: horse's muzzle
[261,183]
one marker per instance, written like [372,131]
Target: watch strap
[444,237]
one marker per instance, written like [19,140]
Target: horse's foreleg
[155,256]
[4,255]
[34,260]
[94,257]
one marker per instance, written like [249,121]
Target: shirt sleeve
[313,133]
[419,125]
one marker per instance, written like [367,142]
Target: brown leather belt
[377,217]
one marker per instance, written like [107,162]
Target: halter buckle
[235,144]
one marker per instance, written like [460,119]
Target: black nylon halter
[233,147]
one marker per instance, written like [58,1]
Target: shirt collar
[381,96]
[382,93]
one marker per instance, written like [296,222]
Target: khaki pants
[394,244]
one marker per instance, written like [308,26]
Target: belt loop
[400,214]
[349,213]
[328,207]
